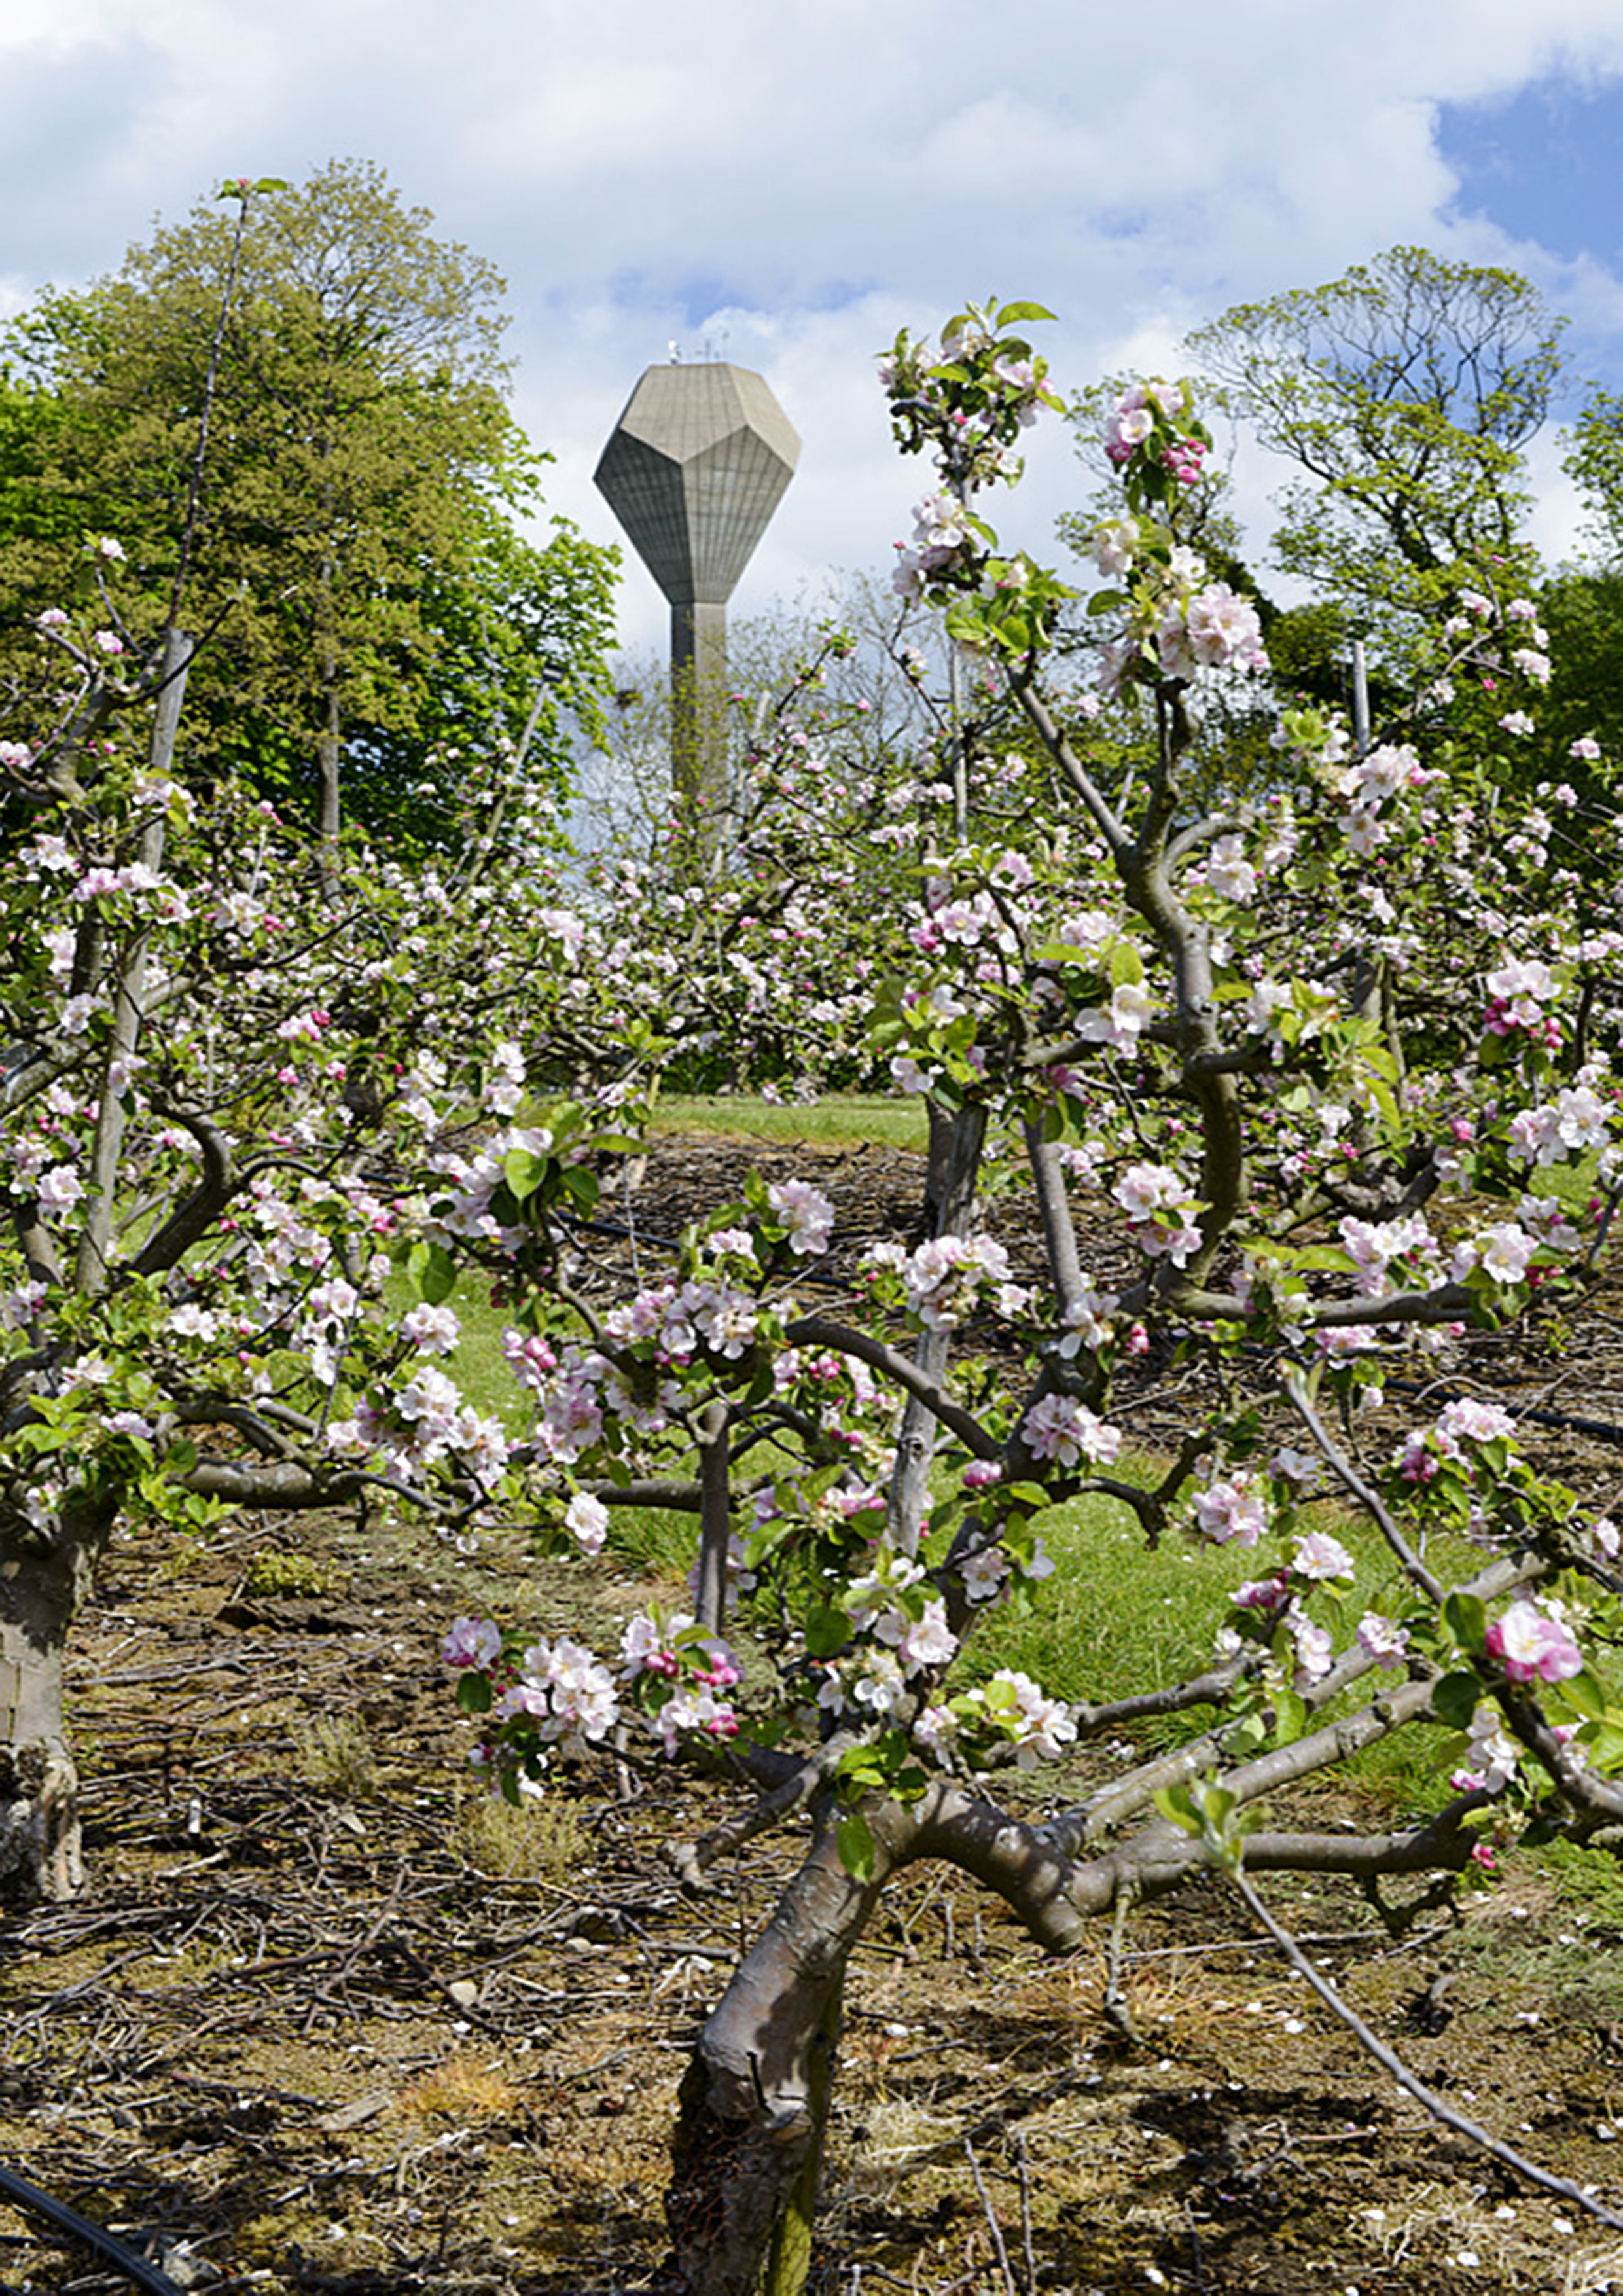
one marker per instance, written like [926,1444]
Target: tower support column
[699,714]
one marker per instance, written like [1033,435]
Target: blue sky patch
[1542,164]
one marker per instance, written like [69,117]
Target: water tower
[695,467]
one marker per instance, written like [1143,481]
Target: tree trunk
[956,1145]
[330,750]
[330,740]
[755,2099]
[43,1579]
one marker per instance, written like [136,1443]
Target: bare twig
[1005,2267]
[1390,2063]
[1370,1500]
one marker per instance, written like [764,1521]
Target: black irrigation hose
[124,2261]
[1602,1430]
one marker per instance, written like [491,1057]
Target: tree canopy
[1405,392]
[363,589]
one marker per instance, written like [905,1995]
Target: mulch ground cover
[325,2021]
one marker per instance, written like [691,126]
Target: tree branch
[823,1331]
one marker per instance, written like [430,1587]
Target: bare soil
[305,2032]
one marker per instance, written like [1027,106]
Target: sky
[786,182]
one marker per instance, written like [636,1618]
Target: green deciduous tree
[1404,393]
[366,592]
[1594,461]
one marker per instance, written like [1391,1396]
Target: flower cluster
[1465,1422]
[1153,425]
[1008,1710]
[1162,1211]
[1533,1642]
[1064,1432]
[680,1675]
[948,1277]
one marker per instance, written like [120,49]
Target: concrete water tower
[695,467]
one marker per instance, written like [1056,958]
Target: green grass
[1117,1618]
[843,1121]
[657,1542]
[478,1364]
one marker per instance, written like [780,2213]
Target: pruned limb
[1059,1229]
[907,1499]
[676,1498]
[1211,1688]
[1072,1830]
[691,1861]
[715,1515]
[1447,1303]
[168,1246]
[1047,731]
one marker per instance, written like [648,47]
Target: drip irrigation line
[668,1243]
[124,2261]
[1602,1430]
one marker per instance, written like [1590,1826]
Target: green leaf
[1606,1746]
[1290,1717]
[524,1171]
[584,1185]
[1065,951]
[857,1848]
[1465,1616]
[433,1271]
[1585,1695]
[473,1694]
[1217,1806]
[1028,1494]
[1015,314]
[1177,1805]
[38,1442]
[828,1629]
[1455,1699]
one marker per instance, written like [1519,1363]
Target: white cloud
[799,180]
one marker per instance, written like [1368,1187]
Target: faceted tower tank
[695,467]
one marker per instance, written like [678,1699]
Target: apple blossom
[1532,1644]
[1059,1429]
[1234,1508]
